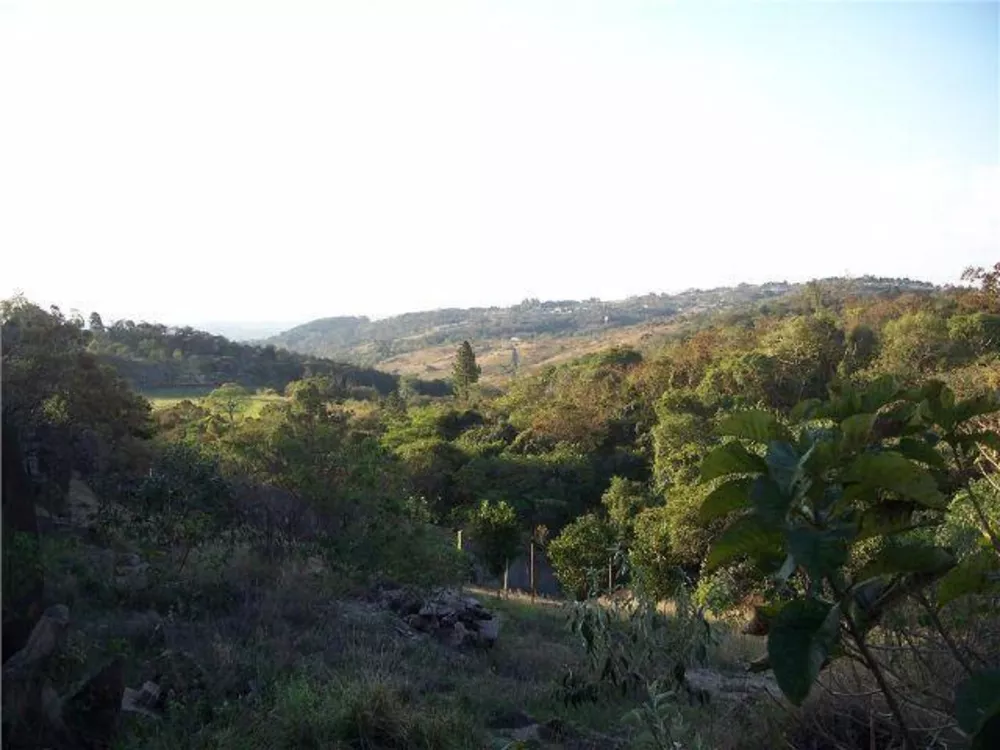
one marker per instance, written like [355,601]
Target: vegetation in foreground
[827,465]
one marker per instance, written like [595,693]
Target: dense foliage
[151,355]
[368,342]
[825,457]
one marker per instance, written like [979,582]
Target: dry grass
[494,355]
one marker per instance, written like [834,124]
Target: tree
[624,500]
[68,409]
[839,518]
[989,284]
[496,534]
[914,343]
[230,398]
[465,371]
[580,555]
[96,324]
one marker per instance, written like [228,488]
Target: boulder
[45,639]
[488,632]
[448,615]
[736,687]
[145,700]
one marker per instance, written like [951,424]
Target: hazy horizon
[259,163]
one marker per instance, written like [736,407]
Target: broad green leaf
[749,535]
[907,558]
[856,431]
[977,701]
[823,455]
[800,639]
[731,458]
[819,551]
[754,425]
[783,464]
[879,392]
[768,501]
[974,407]
[841,406]
[939,400]
[889,518]
[805,410]
[920,450]
[724,499]
[970,576]
[894,472]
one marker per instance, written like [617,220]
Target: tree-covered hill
[363,341]
[153,356]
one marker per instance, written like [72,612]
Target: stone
[456,636]
[143,701]
[730,687]
[46,638]
[488,633]
[454,619]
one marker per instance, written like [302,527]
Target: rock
[82,504]
[455,619]
[730,687]
[488,633]
[456,636]
[143,701]
[46,638]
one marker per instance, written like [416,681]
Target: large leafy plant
[831,505]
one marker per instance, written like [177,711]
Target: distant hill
[421,343]
[153,356]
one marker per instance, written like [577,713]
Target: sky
[198,160]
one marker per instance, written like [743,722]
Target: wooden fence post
[532,570]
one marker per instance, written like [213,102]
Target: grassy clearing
[165,398]
[292,654]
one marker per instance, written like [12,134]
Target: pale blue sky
[205,160]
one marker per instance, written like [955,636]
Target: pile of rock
[448,615]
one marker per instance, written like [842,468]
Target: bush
[496,534]
[580,555]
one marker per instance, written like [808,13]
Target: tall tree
[465,372]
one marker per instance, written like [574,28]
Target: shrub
[496,534]
[580,555]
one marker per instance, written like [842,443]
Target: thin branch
[936,622]
[876,670]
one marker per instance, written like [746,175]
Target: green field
[164,398]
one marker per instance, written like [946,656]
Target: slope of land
[422,343]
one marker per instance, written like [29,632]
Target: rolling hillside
[422,344]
